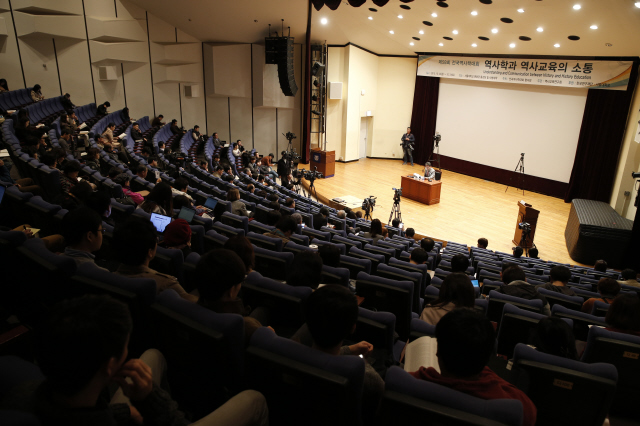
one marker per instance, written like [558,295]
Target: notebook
[187,214]
[160,221]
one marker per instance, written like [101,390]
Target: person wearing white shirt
[429,172]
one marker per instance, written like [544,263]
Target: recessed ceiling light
[495,30]
[521,10]
[435,15]
[638,4]
[594,27]
[556,45]
[577,6]
[421,32]
[391,32]
[411,44]
[539,29]
[324,21]
[399,16]
[440,44]
[371,18]
[474,45]
[455,31]
[512,45]
[474,13]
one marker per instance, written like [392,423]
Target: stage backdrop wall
[492,123]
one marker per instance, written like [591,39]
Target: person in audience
[629,277]
[284,228]
[217,143]
[69,176]
[61,157]
[67,122]
[305,270]
[359,214]
[102,109]
[517,252]
[141,172]
[204,166]
[375,233]
[331,314]
[533,253]
[215,162]
[92,159]
[160,147]
[174,127]
[157,122]
[180,186]
[136,134]
[65,139]
[108,136]
[297,218]
[274,205]
[66,102]
[427,244]
[466,342]
[252,168]
[3,85]
[559,278]
[135,241]
[236,151]
[320,219]
[291,203]
[418,256]
[113,172]
[608,289]
[624,315]
[517,286]
[124,114]
[146,153]
[237,206]
[330,255]
[220,274]
[124,181]
[459,263]
[262,181]
[266,167]
[24,184]
[76,196]
[251,188]
[100,202]
[36,93]
[48,159]
[483,243]
[456,291]
[195,133]
[273,218]
[410,233]
[218,172]
[82,231]
[177,236]
[244,249]
[159,200]
[600,266]
[555,337]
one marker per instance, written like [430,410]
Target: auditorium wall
[63,43]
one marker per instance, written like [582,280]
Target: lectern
[528,214]
[325,161]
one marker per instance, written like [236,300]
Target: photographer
[407,147]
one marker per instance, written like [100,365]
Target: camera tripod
[523,242]
[367,212]
[395,210]
[312,187]
[519,169]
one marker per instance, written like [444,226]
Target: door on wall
[363,138]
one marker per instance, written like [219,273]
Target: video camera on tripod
[525,226]
[312,175]
[437,138]
[369,203]
[397,194]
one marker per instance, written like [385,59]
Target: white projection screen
[492,123]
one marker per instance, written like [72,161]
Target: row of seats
[15,99]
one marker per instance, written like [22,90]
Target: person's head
[331,313]
[161,195]
[82,229]
[483,243]
[465,342]
[71,169]
[65,134]
[274,205]
[324,212]
[220,274]
[3,84]
[513,273]
[107,104]
[48,159]
[113,172]
[181,184]
[330,255]
[290,202]
[427,165]
[215,136]
[252,160]
[161,117]
[608,287]
[376,227]
[533,253]
[600,266]
[261,178]
[122,179]
[142,171]
[82,191]
[287,225]
[84,340]
[135,241]
[174,122]
[629,274]
[410,232]
[146,152]
[517,252]
[419,256]
[111,126]
[273,217]
[395,223]
[233,194]
[427,244]
[251,188]
[60,154]
[135,126]
[457,289]
[177,234]
[624,313]
[408,130]
[160,145]
[204,165]
[216,157]
[196,128]
[560,273]
[180,201]
[244,249]
[271,156]
[305,270]
[555,337]
[297,218]
[64,117]
[36,88]
[100,141]
[358,214]
[93,154]
[99,202]
[153,161]
[459,263]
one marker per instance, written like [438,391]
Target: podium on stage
[325,161]
[526,213]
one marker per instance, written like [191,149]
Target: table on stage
[422,191]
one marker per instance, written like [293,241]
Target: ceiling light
[474,13]
[440,44]
[324,21]
[495,30]
[638,4]
[400,16]
[371,18]
[421,32]
[539,29]
[474,45]
[455,31]
[577,6]
[512,45]
[411,44]
[594,27]
[435,15]
[556,45]
[521,10]
[391,32]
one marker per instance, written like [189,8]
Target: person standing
[407,147]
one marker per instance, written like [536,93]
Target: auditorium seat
[15,371]
[319,243]
[555,298]
[600,308]
[375,259]
[272,264]
[349,243]
[398,274]
[407,266]
[213,240]
[331,275]
[269,243]
[226,230]
[498,300]
[355,265]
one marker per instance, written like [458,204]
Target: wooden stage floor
[469,208]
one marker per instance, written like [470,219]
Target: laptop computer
[187,214]
[2,190]
[210,204]
[160,221]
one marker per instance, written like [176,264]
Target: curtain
[423,117]
[601,136]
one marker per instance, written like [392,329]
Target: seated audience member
[459,263]
[108,135]
[124,180]
[218,172]
[291,203]
[161,147]
[215,162]
[483,243]
[305,270]
[237,206]
[177,236]
[174,127]
[204,166]
[608,289]
[358,214]
[375,233]
[629,277]
[141,172]
[600,266]
[517,286]
[157,122]
[24,185]
[395,223]
[330,255]
[217,143]
[180,186]
[297,218]
[418,256]
[427,244]
[236,150]
[64,140]
[3,85]
[266,167]
[69,176]
[251,188]
[284,228]
[36,93]
[66,102]
[61,157]
[136,134]
[332,313]
[244,249]
[113,172]
[533,253]
[76,196]
[159,200]
[273,218]
[559,278]
[252,168]
[517,252]
[146,153]
[195,133]
[100,202]
[102,109]
[624,315]
[410,233]
[92,159]
[466,342]
[274,205]
[456,291]
[48,159]
[82,231]
[555,337]
[136,242]
[220,274]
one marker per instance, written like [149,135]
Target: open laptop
[210,204]
[2,190]
[160,221]
[187,214]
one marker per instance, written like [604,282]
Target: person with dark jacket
[174,127]
[559,278]
[157,122]
[66,102]
[136,134]
[320,218]
[102,109]
[516,285]
[92,160]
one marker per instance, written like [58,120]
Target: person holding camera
[407,147]
[429,172]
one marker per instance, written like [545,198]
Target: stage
[469,208]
